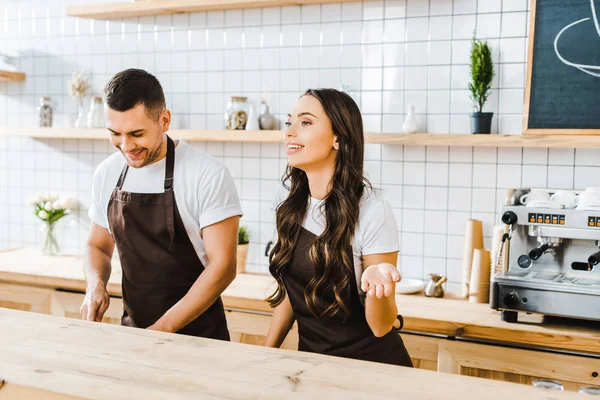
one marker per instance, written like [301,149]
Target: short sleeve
[379,230]
[218,199]
[97,212]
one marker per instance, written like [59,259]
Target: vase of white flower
[50,209]
[78,89]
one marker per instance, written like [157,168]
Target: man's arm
[96,267]
[220,243]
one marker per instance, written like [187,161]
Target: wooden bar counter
[58,358]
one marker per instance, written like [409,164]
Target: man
[171,210]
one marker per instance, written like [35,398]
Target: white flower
[43,214]
[48,206]
[70,203]
[39,199]
[31,201]
[79,84]
[57,205]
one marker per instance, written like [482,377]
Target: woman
[333,228]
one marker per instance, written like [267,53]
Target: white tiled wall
[391,54]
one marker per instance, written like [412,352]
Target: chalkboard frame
[527,103]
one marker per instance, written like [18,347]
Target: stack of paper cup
[479,286]
[499,231]
[473,240]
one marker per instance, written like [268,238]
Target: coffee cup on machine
[535,197]
[589,198]
[566,198]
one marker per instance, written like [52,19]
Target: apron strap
[170,204]
[122,176]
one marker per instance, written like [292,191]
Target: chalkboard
[562,94]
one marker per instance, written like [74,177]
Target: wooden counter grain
[421,314]
[60,358]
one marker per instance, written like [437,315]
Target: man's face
[139,137]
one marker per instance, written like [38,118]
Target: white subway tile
[514,5]
[417,29]
[412,243]
[394,30]
[393,78]
[586,176]
[509,176]
[440,7]
[392,152]
[485,155]
[373,10]
[464,26]
[413,221]
[436,198]
[417,8]
[438,101]
[459,124]
[436,174]
[561,177]
[413,197]
[587,157]
[372,78]
[484,200]
[352,11]
[488,25]
[271,16]
[311,13]
[290,15]
[372,31]
[414,173]
[484,175]
[393,54]
[438,123]
[435,246]
[416,78]
[393,195]
[514,24]
[440,28]
[487,6]
[512,50]
[465,6]
[332,33]
[456,244]
[331,12]
[561,156]
[440,53]
[436,221]
[412,266]
[535,156]
[417,54]
[351,32]
[535,176]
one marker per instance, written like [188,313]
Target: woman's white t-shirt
[375,233]
[205,192]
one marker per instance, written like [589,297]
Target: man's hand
[95,303]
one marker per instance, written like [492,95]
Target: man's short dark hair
[131,87]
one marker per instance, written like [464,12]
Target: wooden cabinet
[53,302]
[517,365]
[423,350]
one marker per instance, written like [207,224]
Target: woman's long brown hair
[329,251]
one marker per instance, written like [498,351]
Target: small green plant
[243,235]
[482,72]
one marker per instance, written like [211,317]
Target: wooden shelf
[8,76]
[413,139]
[162,7]
[186,134]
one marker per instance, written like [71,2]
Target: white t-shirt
[204,189]
[375,233]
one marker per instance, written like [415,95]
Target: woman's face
[309,138]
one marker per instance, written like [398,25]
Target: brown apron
[339,335]
[158,259]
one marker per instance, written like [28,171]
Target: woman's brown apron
[339,335]
[158,259]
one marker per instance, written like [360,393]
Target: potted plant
[242,249]
[482,73]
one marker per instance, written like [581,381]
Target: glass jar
[236,114]
[45,112]
[95,116]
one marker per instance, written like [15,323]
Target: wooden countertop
[59,358]
[421,314]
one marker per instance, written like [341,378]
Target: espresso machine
[553,263]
